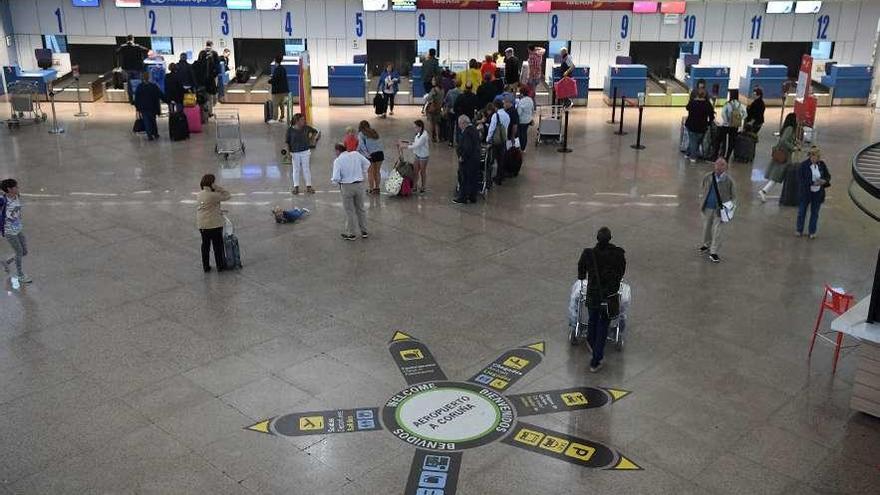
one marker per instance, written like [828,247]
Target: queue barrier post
[639,145]
[56,129]
[620,131]
[613,106]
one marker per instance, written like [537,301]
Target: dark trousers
[469,182]
[813,201]
[215,237]
[389,97]
[597,334]
[498,152]
[523,135]
[150,125]
[725,141]
[427,85]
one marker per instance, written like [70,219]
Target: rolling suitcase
[231,249]
[512,162]
[380,103]
[268,112]
[193,118]
[744,147]
[178,128]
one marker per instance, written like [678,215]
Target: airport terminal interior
[451,350]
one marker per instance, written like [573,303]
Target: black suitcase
[242,74]
[790,187]
[178,128]
[513,159]
[380,103]
[744,147]
[268,111]
[138,126]
[118,81]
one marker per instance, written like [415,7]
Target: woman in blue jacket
[814,179]
[389,82]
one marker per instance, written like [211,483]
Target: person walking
[781,156]
[525,107]
[434,110]
[733,114]
[299,139]
[468,162]
[148,100]
[496,136]
[349,169]
[603,266]
[370,145]
[755,111]
[717,188]
[430,70]
[420,147]
[700,114]
[11,228]
[280,88]
[209,219]
[512,67]
[389,82]
[814,179]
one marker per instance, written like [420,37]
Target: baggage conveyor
[666,92]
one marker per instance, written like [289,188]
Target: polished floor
[125,369]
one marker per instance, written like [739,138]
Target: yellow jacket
[473,76]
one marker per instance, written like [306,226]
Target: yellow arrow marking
[538,346]
[617,394]
[262,426]
[626,464]
[398,336]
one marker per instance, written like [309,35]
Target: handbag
[499,136]
[610,305]
[313,138]
[726,208]
[404,168]
[393,183]
[779,155]
[189,99]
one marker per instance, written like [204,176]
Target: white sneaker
[762,195]
[24,279]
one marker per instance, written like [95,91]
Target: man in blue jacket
[147,100]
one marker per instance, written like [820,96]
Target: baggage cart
[579,320]
[24,98]
[228,131]
[550,124]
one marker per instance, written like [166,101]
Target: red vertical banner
[805,102]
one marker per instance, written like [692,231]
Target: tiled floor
[125,369]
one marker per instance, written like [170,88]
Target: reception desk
[866,386]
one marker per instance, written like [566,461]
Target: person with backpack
[209,219]
[496,136]
[603,267]
[11,227]
[700,115]
[280,88]
[733,115]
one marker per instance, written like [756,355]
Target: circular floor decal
[448,415]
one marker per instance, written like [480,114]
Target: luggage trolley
[228,132]
[550,124]
[579,319]
[24,98]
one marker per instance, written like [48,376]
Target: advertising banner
[183,3]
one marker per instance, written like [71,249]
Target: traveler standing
[733,114]
[186,73]
[174,89]
[388,85]
[466,104]
[299,146]
[468,162]
[814,179]
[781,156]
[422,151]
[370,145]
[525,107]
[280,88]
[209,219]
[496,136]
[717,188]
[486,92]
[488,68]
[434,109]
[513,115]
[205,76]
[755,111]
[430,70]
[536,66]
[148,101]
[349,169]
[11,227]
[603,266]
[567,65]
[131,57]
[512,67]
[449,110]
[700,114]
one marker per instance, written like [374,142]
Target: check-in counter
[581,75]
[717,79]
[347,84]
[43,77]
[769,78]
[849,84]
[629,79]
[156,69]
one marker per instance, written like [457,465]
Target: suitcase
[232,251]
[380,103]
[138,125]
[683,141]
[744,147]
[512,162]
[790,186]
[193,119]
[268,112]
[178,128]
[242,74]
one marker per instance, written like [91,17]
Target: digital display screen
[510,5]
[375,5]
[294,46]
[539,6]
[822,50]
[807,7]
[268,4]
[645,7]
[86,3]
[673,7]
[403,5]
[239,4]
[128,3]
[779,7]
[162,45]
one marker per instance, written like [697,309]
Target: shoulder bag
[726,208]
[610,305]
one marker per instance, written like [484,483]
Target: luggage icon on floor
[516,363]
[411,354]
[574,399]
[310,423]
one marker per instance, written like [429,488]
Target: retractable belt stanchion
[639,145]
[56,129]
[613,105]
[565,149]
[79,102]
[620,131]
[782,110]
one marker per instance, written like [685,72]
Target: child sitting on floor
[288,216]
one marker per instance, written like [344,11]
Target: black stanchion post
[639,145]
[565,148]
[613,105]
[620,131]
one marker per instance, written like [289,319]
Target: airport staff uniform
[349,170]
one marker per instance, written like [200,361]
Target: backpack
[736,117]
[499,137]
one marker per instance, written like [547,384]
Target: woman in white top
[420,148]
[525,108]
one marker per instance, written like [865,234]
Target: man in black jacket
[131,57]
[512,67]
[280,88]
[605,264]
[466,103]
[755,112]
[174,88]
[468,162]
[147,100]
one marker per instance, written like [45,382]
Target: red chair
[838,303]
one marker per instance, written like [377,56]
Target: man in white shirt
[349,170]
[499,118]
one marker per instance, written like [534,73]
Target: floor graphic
[442,418]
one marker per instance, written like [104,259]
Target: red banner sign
[590,5]
[493,5]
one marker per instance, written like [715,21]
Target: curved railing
[865,187]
